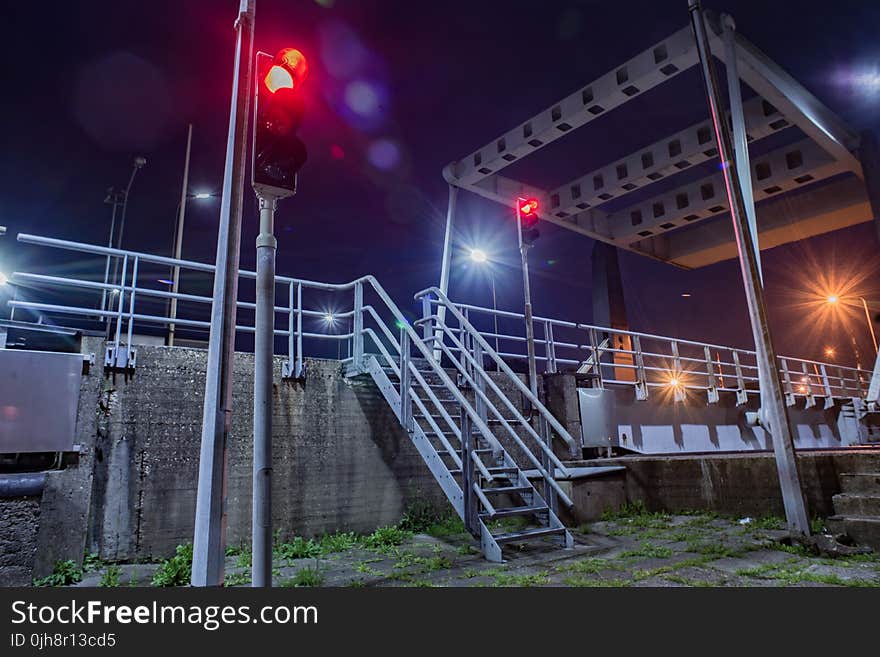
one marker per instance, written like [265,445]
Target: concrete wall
[737,484]
[341,460]
[19,521]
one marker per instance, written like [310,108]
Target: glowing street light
[478,255]
[202,195]
[481,257]
[329,318]
[829,352]
[834,299]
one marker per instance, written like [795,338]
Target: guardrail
[654,362]
[611,356]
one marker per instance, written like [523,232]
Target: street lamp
[834,299]
[481,258]
[180,211]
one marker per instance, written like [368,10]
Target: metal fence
[653,362]
[312,317]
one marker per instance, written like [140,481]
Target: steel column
[210,523]
[178,238]
[774,412]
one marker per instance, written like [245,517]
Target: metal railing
[611,356]
[649,362]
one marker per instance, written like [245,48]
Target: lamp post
[178,248]
[836,299]
[480,257]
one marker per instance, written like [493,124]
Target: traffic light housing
[278,153]
[527,215]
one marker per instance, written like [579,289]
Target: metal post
[139,162]
[543,429]
[740,138]
[112,195]
[406,415]
[178,238]
[210,523]
[495,314]
[264,338]
[358,325]
[774,412]
[446,264]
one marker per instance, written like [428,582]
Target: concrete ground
[629,549]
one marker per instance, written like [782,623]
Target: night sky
[397,90]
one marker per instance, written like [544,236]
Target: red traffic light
[289,70]
[528,206]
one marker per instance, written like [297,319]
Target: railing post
[811,399]
[469,499]
[641,372]
[131,295]
[742,395]
[287,367]
[786,382]
[406,418]
[678,390]
[480,405]
[826,384]
[120,300]
[299,331]
[427,325]
[549,347]
[358,322]
[712,392]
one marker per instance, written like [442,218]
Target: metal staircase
[468,429]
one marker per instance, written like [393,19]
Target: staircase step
[863,530]
[514,511]
[503,469]
[857,504]
[528,534]
[505,490]
[860,482]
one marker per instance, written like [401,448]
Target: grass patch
[63,573]
[244,559]
[237,579]
[298,548]
[176,571]
[385,538]
[796,573]
[590,566]
[91,562]
[768,522]
[305,577]
[580,581]
[710,549]
[110,577]
[648,551]
[338,542]
[686,581]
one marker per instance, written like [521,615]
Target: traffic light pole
[549,493]
[264,344]
[209,539]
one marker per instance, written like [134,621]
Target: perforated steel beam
[774,173]
[828,206]
[646,70]
[674,154]
[800,106]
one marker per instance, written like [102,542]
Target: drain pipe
[22,484]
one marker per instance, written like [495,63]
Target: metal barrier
[646,361]
[610,356]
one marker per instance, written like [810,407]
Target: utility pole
[774,413]
[178,238]
[210,523]
[113,198]
[277,155]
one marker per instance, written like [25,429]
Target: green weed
[64,573]
[176,571]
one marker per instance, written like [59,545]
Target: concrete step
[860,482]
[863,530]
[857,504]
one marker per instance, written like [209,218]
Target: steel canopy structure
[812,184]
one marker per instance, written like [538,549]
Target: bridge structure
[451,377]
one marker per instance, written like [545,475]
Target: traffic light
[527,215]
[278,152]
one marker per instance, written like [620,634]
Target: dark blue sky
[91,84]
